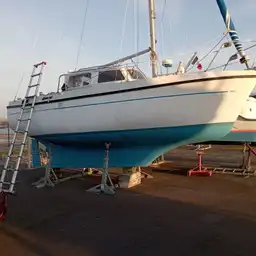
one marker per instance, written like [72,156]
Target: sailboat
[244,128]
[140,117]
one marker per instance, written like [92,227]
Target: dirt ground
[172,214]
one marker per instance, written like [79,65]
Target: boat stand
[246,167]
[248,151]
[145,175]
[52,176]
[103,187]
[200,170]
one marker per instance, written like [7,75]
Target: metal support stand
[145,174]
[200,170]
[248,151]
[53,177]
[104,187]
[29,152]
[245,169]
[50,177]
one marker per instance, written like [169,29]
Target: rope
[82,32]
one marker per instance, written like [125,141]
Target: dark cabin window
[86,78]
[110,75]
[89,75]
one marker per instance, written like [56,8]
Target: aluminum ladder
[9,174]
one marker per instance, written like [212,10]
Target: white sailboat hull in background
[142,120]
[244,128]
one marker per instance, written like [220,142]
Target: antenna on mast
[153,55]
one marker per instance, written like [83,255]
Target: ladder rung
[24,120]
[13,157]
[10,170]
[37,74]
[29,106]
[7,191]
[19,144]
[33,85]
[22,132]
[39,64]
[6,183]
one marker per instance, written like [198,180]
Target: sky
[50,30]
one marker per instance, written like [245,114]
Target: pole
[153,55]
[126,58]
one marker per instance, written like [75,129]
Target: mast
[153,55]
[232,31]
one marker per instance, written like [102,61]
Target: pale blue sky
[35,30]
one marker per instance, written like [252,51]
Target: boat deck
[170,213]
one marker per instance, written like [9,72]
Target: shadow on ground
[148,220]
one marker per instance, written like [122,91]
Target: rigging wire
[207,54]
[138,29]
[124,25]
[82,32]
[136,26]
[19,85]
[202,45]
[36,39]
[162,32]
[223,65]
[233,63]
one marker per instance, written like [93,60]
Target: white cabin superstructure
[98,75]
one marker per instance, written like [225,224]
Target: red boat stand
[200,170]
[3,205]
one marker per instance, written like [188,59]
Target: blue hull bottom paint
[128,148]
[240,137]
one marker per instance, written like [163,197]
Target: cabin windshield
[110,76]
[80,80]
[135,74]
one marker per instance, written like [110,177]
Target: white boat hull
[244,129]
[147,114]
